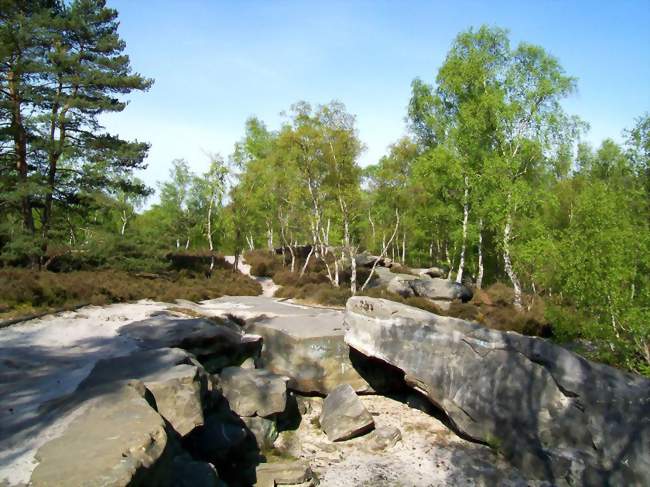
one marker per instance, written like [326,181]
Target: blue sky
[217,63]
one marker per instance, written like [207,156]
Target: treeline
[492,182]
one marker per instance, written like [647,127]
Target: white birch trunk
[507,231]
[461,262]
[479,278]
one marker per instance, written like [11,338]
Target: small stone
[253,391]
[384,438]
[344,416]
[283,473]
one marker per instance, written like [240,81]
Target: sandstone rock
[178,386]
[118,439]
[188,472]
[401,284]
[264,430]
[440,289]
[304,344]
[384,438]
[253,391]
[283,473]
[552,413]
[249,363]
[221,434]
[201,337]
[431,272]
[344,416]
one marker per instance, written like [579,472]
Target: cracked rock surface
[552,413]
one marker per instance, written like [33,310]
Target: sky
[217,63]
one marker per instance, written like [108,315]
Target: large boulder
[253,392]
[115,439]
[177,383]
[216,343]
[302,343]
[442,289]
[552,413]
[344,416]
[401,284]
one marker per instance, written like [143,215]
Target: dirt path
[268,286]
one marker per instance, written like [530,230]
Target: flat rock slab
[253,392]
[117,440]
[552,413]
[283,473]
[199,336]
[46,358]
[344,416]
[177,382]
[303,343]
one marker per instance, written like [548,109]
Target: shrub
[25,291]
[263,263]
[500,294]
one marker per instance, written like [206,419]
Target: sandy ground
[429,454]
[44,359]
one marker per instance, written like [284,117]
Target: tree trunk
[269,237]
[20,148]
[304,267]
[479,278]
[461,262]
[187,243]
[508,263]
[353,272]
[404,248]
[124,220]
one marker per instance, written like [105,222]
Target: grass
[25,291]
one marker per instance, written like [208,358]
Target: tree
[62,67]
[499,110]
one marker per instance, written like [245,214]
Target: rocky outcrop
[253,392]
[304,344]
[552,413]
[216,343]
[344,416]
[116,439]
[177,382]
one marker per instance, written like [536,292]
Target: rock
[365,259]
[253,391]
[249,363]
[431,272]
[222,433]
[302,343]
[283,473]
[401,284]
[188,472]
[552,413]
[202,337]
[264,430]
[440,289]
[384,438]
[116,439]
[178,386]
[344,416]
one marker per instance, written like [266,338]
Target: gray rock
[344,416]
[178,386]
[401,284]
[283,473]
[307,345]
[430,272]
[116,439]
[264,430]
[440,289]
[552,413]
[253,392]
[187,472]
[199,336]
[384,438]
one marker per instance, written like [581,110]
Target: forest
[494,183]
